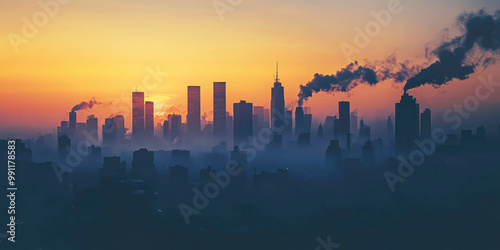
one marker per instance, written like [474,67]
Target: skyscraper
[194,112]
[166,130]
[425,124]
[175,122]
[243,114]
[407,127]
[92,128]
[149,124]
[119,121]
[219,109]
[277,104]
[259,112]
[299,121]
[137,114]
[344,119]
[72,124]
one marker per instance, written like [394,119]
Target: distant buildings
[299,121]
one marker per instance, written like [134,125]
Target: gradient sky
[101,49]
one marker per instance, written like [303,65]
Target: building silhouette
[194,111]
[137,115]
[149,119]
[143,166]
[166,131]
[344,122]
[364,132]
[243,115]
[92,128]
[112,169]
[175,122]
[72,124]
[299,121]
[277,105]
[425,124]
[407,123]
[219,109]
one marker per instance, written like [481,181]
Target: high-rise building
[119,122]
[175,122]
[329,126]
[72,123]
[277,105]
[299,121]
[259,112]
[137,114]
[149,123]
[407,123]
[425,124]
[109,132]
[219,109]
[243,114]
[344,119]
[288,131]
[92,129]
[194,111]
[354,122]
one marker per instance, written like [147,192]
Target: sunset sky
[102,49]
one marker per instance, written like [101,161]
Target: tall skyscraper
[149,119]
[425,124]
[354,122]
[137,114]
[259,112]
[329,126]
[407,127]
[219,109]
[72,124]
[307,123]
[194,111]
[277,104]
[119,121]
[175,122]
[345,118]
[92,128]
[243,114]
[299,121]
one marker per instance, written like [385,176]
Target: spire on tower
[277,78]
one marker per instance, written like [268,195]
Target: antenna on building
[277,78]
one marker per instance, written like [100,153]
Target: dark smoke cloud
[354,74]
[86,105]
[458,58]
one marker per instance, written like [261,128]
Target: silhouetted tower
[149,123]
[425,124]
[354,122]
[307,123]
[407,123]
[220,109]
[299,121]
[333,153]
[344,120]
[243,115]
[368,155]
[92,128]
[143,165]
[63,146]
[175,122]
[72,124]
[119,121]
[277,105]
[137,114]
[288,131]
[194,111]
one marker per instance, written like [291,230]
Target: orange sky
[95,49]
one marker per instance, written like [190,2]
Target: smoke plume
[478,45]
[86,105]
[354,74]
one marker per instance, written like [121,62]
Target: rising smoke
[86,105]
[354,74]
[458,58]
[478,45]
